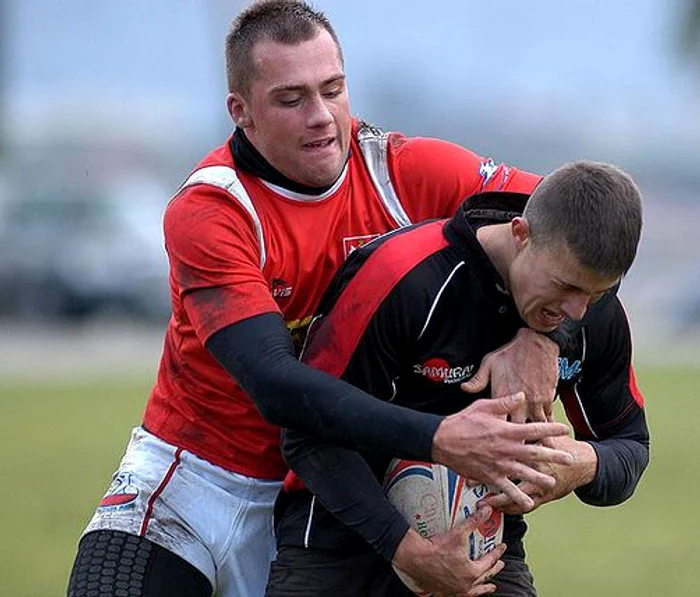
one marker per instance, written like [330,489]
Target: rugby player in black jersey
[410,317]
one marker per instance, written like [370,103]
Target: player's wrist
[548,342]
[440,452]
[411,550]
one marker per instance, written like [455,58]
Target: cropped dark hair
[282,21]
[595,208]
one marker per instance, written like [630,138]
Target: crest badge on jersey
[122,493]
[352,243]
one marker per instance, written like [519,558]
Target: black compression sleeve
[621,463]
[258,353]
[348,489]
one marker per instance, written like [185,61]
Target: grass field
[60,443]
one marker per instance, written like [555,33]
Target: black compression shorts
[116,564]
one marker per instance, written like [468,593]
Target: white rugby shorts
[220,522]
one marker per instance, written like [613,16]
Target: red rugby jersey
[276,251]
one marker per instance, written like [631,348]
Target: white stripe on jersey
[437,298]
[225,177]
[374,150]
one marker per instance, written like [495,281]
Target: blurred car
[75,250]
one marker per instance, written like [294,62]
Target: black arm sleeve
[258,353]
[621,463]
[347,488]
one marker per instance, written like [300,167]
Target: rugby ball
[434,499]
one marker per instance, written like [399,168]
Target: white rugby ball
[434,499]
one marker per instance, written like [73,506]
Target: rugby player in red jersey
[253,236]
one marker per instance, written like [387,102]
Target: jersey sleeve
[432,177]
[607,408]
[214,259]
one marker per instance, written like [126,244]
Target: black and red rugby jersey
[409,317]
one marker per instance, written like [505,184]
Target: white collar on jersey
[304,197]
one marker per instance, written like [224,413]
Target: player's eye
[335,92]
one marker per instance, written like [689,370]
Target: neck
[497,242]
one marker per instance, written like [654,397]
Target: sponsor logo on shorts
[440,371]
[121,493]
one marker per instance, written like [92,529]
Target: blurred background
[106,106]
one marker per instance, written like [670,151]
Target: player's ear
[520,229]
[238,109]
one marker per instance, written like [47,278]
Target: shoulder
[402,148]
[431,156]
[211,207]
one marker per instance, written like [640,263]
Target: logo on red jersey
[440,371]
[281,289]
[121,493]
[494,180]
[351,243]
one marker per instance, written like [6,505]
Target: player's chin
[540,327]
[324,175]
[542,323]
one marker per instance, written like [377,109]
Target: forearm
[583,468]
[259,355]
[348,489]
[621,463]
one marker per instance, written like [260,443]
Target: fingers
[507,405]
[478,381]
[496,501]
[482,590]
[532,475]
[492,560]
[496,568]
[516,495]
[481,515]
[549,413]
[540,453]
[519,414]
[533,432]
[536,413]
[502,502]
[548,442]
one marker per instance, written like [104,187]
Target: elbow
[272,413]
[619,490]
[606,496]
[278,405]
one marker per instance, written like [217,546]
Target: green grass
[60,442]
[650,545]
